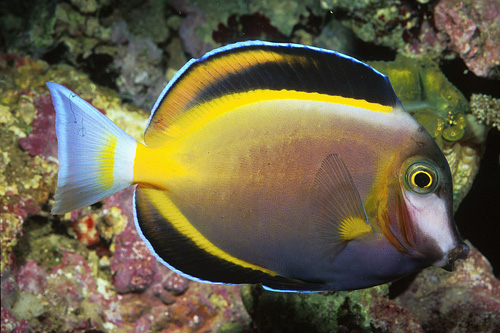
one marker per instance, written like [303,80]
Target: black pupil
[422,179]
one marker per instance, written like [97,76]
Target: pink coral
[32,278]
[473,30]
[466,300]
[42,138]
[132,264]
[175,283]
[10,323]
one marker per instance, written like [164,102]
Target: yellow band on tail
[107,163]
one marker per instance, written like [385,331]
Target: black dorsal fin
[249,66]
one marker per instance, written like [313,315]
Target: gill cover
[425,213]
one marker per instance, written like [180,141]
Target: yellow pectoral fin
[352,227]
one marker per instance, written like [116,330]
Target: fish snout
[461,251]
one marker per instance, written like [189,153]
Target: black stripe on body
[181,253]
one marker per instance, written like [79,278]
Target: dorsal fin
[250,66]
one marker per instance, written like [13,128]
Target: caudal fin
[96,157]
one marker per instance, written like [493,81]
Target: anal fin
[176,246]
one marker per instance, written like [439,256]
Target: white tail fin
[96,157]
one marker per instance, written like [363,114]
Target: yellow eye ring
[422,177]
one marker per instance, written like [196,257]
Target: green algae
[427,94]
[376,21]
[282,14]
[312,312]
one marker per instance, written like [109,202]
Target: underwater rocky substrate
[91,265]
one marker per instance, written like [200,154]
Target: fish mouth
[461,251]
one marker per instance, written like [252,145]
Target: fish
[279,164]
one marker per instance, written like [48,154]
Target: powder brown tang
[280,164]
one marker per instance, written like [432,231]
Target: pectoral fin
[336,207]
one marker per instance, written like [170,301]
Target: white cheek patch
[429,213]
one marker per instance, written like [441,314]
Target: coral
[155,27]
[229,22]
[472,29]
[388,316]
[11,229]
[335,36]
[97,39]
[137,61]
[132,265]
[19,100]
[467,300]
[84,229]
[40,140]
[78,31]
[360,310]
[442,109]
[389,23]
[469,28]
[486,109]
[8,322]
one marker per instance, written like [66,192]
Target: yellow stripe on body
[106,166]
[195,118]
[174,216]
[155,166]
[206,74]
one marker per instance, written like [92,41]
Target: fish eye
[422,177]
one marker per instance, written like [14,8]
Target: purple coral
[42,138]
[175,283]
[473,30]
[32,278]
[132,264]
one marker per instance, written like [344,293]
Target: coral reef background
[89,270]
